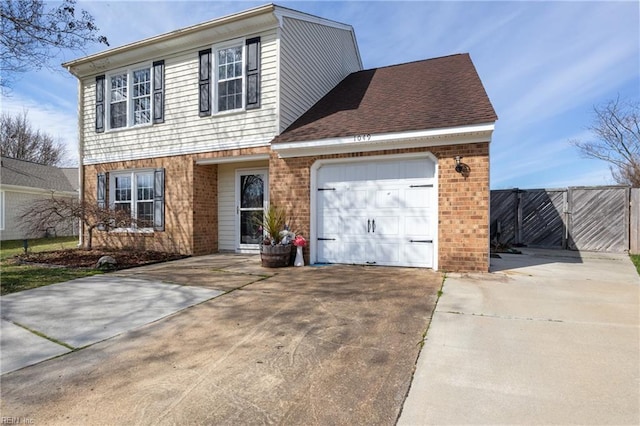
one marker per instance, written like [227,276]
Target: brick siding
[191,203]
[191,212]
[463,202]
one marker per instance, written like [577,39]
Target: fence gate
[600,218]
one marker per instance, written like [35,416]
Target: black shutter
[158,200]
[101,195]
[253,73]
[158,92]
[204,80]
[100,104]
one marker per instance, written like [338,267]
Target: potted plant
[276,247]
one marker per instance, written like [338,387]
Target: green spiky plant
[273,222]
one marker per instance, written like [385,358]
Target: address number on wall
[362,138]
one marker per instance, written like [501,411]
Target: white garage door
[378,213]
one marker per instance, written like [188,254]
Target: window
[139,193]
[141,96]
[233,76]
[118,101]
[229,76]
[133,97]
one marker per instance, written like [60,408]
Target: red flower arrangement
[299,241]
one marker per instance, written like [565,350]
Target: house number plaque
[362,138]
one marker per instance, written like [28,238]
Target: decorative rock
[106,262]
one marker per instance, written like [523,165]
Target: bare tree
[616,130]
[31,36]
[42,214]
[19,140]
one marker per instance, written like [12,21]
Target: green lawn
[635,258]
[15,277]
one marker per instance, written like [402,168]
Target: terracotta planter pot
[276,256]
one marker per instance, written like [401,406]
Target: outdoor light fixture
[459,165]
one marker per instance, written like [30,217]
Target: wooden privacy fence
[601,218]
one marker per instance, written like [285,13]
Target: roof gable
[430,94]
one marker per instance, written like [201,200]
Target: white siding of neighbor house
[14,204]
[183,130]
[314,58]
[227,202]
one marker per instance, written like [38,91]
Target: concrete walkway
[49,321]
[551,337]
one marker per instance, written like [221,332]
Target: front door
[251,201]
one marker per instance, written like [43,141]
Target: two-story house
[196,131]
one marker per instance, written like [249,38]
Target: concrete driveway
[550,337]
[313,345]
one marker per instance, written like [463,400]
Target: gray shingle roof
[25,173]
[429,94]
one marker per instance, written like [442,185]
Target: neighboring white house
[22,183]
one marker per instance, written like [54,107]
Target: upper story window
[133,97]
[231,79]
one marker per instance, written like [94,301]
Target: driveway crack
[44,336]
[507,317]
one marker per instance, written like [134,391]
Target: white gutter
[233,159]
[38,191]
[398,140]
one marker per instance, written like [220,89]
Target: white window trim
[132,173]
[129,72]
[242,43]
[248,248]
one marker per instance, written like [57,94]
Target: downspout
[80,156]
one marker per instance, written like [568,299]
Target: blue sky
[544,66]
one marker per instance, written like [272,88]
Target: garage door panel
[330,224]
[355,251]
[329,251]
[418,197]
[418,254]
[417,226]
[387,253]
[387,198]
[386,225]
[354,225]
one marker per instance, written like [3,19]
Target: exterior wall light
[461,167]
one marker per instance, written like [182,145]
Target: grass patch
[24,277]
[635,258]
[11,248]
[16,277]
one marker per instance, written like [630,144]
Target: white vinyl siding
[15,203]
[314,59]
[227,202]
[183,130]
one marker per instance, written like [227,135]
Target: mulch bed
[78,258]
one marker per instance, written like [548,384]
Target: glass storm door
[251,201]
